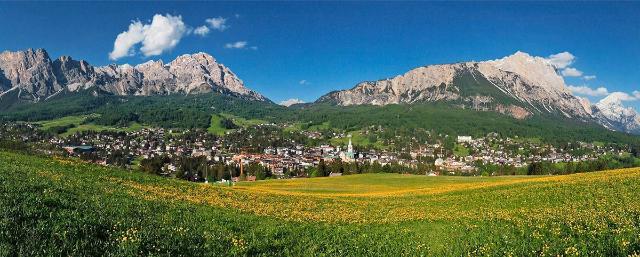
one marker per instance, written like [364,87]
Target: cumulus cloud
[163,33]
[561,60]
[123,46]
[636,94]
[304,82]
[589,77]
[571,72]
[290,102]
[218,23]
[587,91]
[201,31]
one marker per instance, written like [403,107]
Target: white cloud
[589,77]
[218,23]
[561,60]
[571,72]
[636,94]
[236,45]
[291,101]
[585,90]
[304,82]
[164,33]
[126,40]
[201,31]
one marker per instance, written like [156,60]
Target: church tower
[350,147]
[350,154]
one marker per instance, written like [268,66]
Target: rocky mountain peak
[586,104]
[518,85]
[612,113]
[196,58]
[36,77]
[535,69]
[29,70]
[150,64]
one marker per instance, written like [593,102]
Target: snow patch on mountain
[611,113]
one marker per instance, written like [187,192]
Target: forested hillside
[194,111]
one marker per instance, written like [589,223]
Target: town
[269,151]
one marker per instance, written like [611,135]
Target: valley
[320,128]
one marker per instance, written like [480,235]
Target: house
[464,139]
[79,149]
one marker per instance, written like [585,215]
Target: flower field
[62,207]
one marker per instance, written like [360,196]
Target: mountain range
[519,85]
[32,76]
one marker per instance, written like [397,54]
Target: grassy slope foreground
[63,207]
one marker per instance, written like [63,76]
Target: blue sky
[306,49]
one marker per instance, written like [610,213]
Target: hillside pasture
[66,207]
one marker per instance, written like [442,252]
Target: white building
[464,139]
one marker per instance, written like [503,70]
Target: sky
[302,50]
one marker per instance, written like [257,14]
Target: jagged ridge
[32,76]
[519,85]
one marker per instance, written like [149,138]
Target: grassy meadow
[215,126]
[65,207]
[77,123]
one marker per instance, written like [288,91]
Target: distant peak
[30,52]
[125,66]
[151,63]
[614,98]
[36,50]
[521,53]
[200,57]
[197,55]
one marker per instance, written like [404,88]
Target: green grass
[357,138]
[134,126]
[79,125]
[242,122]
[460,151]
[65,207]
[299,126]
[319,127]
[67,120]
[531,140]
[216,128]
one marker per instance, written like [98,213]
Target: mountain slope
[611,113]
[519,85]
[35,77]
[517,81]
